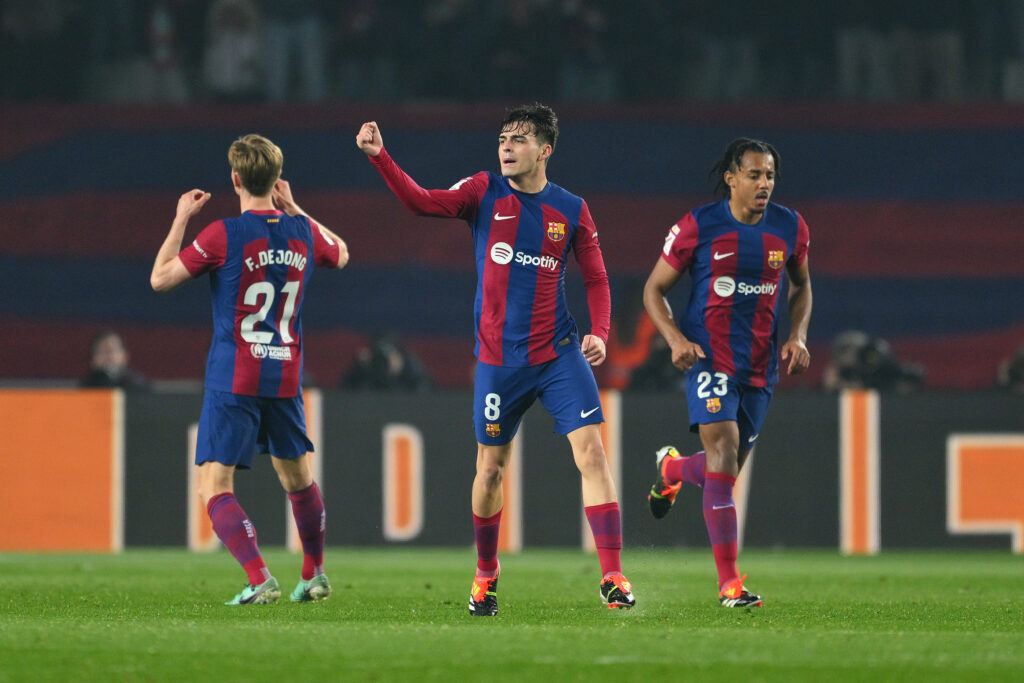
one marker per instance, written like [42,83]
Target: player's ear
[729,177]
[236,181]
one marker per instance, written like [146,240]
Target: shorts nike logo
[499,217]
[722,507]
[717,256]
[752,439]
[589,412]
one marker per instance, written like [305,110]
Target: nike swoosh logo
[752,439]
[589,412]
[499,217]
[722,507]
[717,256]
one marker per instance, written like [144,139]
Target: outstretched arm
[795,348]
[168,270]
[460,201]
[282,195]
[662,279]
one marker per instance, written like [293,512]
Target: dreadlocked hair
[733,158]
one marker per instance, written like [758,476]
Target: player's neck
[250,203]
[745,216]
[530,183]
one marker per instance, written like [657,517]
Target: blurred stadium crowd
[896,117]
[566,50]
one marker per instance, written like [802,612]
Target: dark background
[899,125]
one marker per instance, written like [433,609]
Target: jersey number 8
[492,407]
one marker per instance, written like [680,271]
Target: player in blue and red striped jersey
[735,251]
[527,344]
[260,264]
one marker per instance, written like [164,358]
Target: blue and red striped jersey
[521,243]
[259,265]
[736,270]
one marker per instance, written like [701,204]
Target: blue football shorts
[716,397]
[233,428]
[565,386]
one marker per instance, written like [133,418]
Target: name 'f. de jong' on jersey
[259,264]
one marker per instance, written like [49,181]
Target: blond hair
[257,161]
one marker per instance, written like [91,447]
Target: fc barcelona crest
[493,430]
[776,258]
[714,405]
[556,231]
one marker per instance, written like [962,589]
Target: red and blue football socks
[238,535]
[720,518]
[606,524]
[689,469]
[486,531]
[311,523]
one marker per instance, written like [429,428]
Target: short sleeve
[803,242]
[680,243]
[325,248]
[207,251]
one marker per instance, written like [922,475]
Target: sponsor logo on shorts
[262,351]
[714,405]
[776,258]
[493,430]
[556,231]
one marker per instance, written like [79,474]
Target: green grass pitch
[400,614]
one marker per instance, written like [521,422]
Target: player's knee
[209,485]
[591,460]
[208,492]
[490,472]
